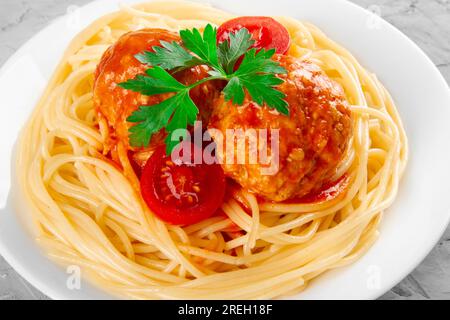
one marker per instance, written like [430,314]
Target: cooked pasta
[89,213]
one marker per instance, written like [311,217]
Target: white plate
[410,228]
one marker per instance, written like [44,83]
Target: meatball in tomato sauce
[115,104]
[312,139]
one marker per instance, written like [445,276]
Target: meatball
[115,104]
[312,139]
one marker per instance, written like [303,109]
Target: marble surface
[426,22]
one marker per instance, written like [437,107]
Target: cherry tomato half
[180,192]
[267,32]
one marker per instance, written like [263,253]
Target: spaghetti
[122,246]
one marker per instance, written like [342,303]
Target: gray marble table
[427,22]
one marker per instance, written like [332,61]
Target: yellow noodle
[88,213]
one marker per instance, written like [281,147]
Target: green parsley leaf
[256,75]
[176,112]
[259,62]
[185,114]
[231,50]
[150,120]
[169,56]
[205,47]
[157,81]
[234,91]
[261,89]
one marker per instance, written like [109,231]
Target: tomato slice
[180,192]
[267,32]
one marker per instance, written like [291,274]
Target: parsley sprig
[256,74]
